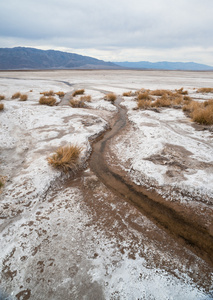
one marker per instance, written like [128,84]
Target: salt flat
[72,237]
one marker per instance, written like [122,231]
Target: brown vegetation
[110,97]
[48,93]
[47,101]
[16,95]
[78,92]
[205,90]
[65,158]
[128,94]
[2,97]
[60,94]
[1,106]
[77,103]
[85,98]
[23,97]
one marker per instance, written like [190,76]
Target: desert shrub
[110,97]
[77,103]
[23,97]
[1,106]
[60,94]
[182,92]
[164,101]
[2,97]
[187,98]
[203,115]
[16,95]
[48,93]
[160,92]
[177,99]
[78,92]
[191,106]
[144,96]
[47,101]
[205,90]
[65,158]
[85,98]
[128,94]
[144,104]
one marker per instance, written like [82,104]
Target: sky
[112,30]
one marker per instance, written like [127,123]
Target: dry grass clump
[144,96]
[205,90]
[200,112]
[182,92]
[164,101]
[110,97]
[1,106]
[48,93]
[16,95]
[60,94]
[2,97]
[23,97]
[160,92]
[65,158]
[77,103]
[85,98]
[128,94]
[78,92]
[144,104]
[47,101]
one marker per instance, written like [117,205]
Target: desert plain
[134,220]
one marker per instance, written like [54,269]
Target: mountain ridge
[24,58]
[165,65]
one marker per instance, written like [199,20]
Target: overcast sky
[112,30]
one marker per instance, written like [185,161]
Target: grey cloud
[102,24]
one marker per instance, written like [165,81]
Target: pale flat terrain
[74,238]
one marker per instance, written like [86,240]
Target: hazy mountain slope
[30,58]
[164,65]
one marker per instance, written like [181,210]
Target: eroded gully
[182,227]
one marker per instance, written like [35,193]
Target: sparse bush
[78,92]
[47,101]
[128,94]
[164,101]
[23,97]
[60,94]
[1,106]
[160,92]
[16,95]
[144,104]
[187,98]
[203,115]
[65,158]
[144,96]
[110,97]
[182,92]
[85,98]
[205,90]
[2,97]
[77,103]
[48,93]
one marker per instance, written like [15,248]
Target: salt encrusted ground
[59,241]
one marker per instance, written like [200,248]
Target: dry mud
[77,237]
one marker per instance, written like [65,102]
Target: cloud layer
[112,28]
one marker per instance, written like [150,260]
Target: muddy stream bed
[183,227]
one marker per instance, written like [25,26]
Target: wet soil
[180,222]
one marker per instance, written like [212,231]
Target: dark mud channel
[182,227]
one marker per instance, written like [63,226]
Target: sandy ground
[72,238]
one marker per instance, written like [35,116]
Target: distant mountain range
[21,58]
[165,65]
